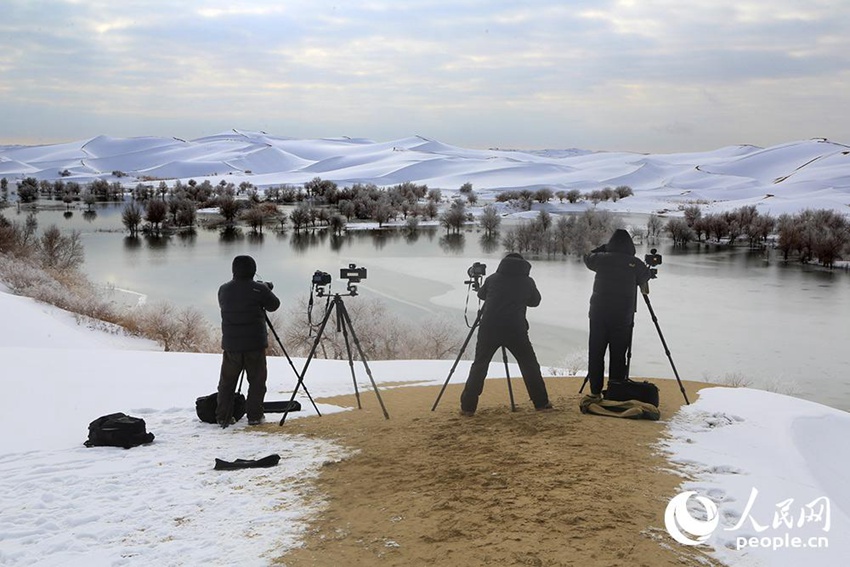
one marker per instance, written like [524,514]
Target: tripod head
[321,282]
[652,260]
[475,272]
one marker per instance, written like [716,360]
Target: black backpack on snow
[205,407]
[118,430]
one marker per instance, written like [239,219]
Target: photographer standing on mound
[244,339]
[506,295]
[612,307]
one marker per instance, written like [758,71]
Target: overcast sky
[639,75]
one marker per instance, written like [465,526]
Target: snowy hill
[788,177]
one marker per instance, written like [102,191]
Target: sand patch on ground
[499,488]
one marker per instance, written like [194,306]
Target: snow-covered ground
[779,179]
[164,504]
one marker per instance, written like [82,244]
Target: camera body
[321,278]
[475,272]
[352,273]
[652,260]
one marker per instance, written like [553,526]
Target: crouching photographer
[506,295]
[244,339]
[612,307]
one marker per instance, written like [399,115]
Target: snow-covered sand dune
[809,173]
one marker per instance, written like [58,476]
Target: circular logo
[683,527]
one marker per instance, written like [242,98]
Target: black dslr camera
[475,272]
[321,278]
[652,260]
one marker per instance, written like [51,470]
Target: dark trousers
[520,347]
[613,334]
[232,364]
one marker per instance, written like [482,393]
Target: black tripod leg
[629,351]
[307,364]
[350,362]
[508,375]
[291,364]
[346,320]
[459,354]
[666,350]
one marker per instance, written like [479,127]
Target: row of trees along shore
[811,235]
[319,202]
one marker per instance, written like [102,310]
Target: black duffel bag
[205,407]
[625,390]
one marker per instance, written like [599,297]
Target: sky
[636,75]
[164,504]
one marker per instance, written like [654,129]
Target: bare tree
[490,220]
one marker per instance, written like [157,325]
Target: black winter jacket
[618,274]
[243,304]
[506,294]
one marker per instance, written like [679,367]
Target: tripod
[663,342]
[343,322]
[457,360]
[291,364]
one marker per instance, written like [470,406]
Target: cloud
[328,67]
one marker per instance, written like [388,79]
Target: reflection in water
[132,243]
[90,216]
[188,236]
[489,243]
[379,239]
[453,242]
[411,236]
[256,237]
[156,241]
[338,240]
[230,234]
[302,241]
[68,214]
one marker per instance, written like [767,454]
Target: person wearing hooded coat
[244,339]
[506,294]
[612,307]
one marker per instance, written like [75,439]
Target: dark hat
[621,243]
[244,267]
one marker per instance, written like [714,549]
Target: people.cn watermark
[691,519]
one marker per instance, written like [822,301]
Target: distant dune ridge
[810,173]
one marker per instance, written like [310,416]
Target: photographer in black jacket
[244,339]
[612,306]
[506,294]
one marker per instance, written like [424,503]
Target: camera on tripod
[475,272]
[652,260]
[352,273]
[321,279]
